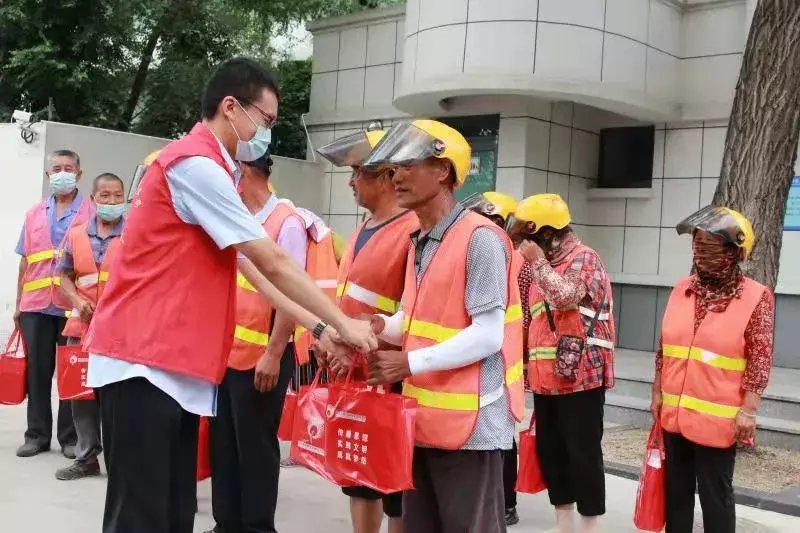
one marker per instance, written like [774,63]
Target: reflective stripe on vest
[453,401]
[326,283]
[701,406]
[242,282]
[538,308]
[366,296]
[438,333]
[40,256]
[41,283]
[250,335]
[91,279]
[704,356]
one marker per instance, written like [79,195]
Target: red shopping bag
[529,479]
[369,436]
[203,450]
[650,513]
[308,432]
[13,366]
[287,416]
[72,366]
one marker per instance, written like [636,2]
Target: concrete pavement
[32,500]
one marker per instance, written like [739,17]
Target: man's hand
[745,427]
[359,335]
[531,251]
[655,405]
[17,312]
[376,322]
[387,367]
[267,371]
[85,309]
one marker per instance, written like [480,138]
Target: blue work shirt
[99,245]
[58,230]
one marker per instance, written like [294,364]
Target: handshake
[338,351]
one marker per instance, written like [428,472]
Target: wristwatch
[318,329]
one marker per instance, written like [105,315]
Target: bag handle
[14,340]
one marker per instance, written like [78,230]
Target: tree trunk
[762,139]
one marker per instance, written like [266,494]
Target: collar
[74,206]
[438,231]
[116,231]
[232,166]
[691,287]
[267,210]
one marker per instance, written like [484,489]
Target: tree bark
[762,139]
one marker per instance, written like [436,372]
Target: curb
[780,502]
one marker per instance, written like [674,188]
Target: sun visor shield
[348,151]
[479,204]
[136,181]
[715,220]
[402,145]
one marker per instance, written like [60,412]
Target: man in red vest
[41,308]
[161,335]
[461,334]
[371,276]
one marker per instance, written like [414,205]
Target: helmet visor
[349,151]
[137,180]
[517,229]
[479,204]
[403,145]
[715,220]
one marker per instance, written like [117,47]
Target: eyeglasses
[269,120]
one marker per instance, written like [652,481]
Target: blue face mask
[63,182]
[110,212]
[256,147]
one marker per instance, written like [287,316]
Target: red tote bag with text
[651,502]
[13,366]
[370,436]
[529,478]
[203,450]
[287,416]
[72,366]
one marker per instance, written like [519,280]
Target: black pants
[245,457]
[150,445]
[42,333]
[510,476]
[691,465]
[569,430]
[455,492]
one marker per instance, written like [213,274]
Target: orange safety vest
[701,375]
[542,341]
[372,282]
[89,281]
[40,284]
[449,400]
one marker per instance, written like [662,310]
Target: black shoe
[511,516]
[78,470]
[68,451]
[29,449]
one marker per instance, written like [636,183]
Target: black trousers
[42,333]
[245,457]
[569,430]
[691,465]
[150,446]
[510,476]
[455,492]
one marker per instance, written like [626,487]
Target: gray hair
[64,153]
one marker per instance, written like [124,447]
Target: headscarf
[717,273]
[560,247]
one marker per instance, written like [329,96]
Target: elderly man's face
[416,184]
[63,163]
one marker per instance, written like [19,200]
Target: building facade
[532,83]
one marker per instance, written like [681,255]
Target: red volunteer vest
[40,285]
[449,400]
[701,376]
[542,341]
[89,281]
[253,312]
[171,302]
[372,281]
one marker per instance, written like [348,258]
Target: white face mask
[256,147]
[63,182]
[111,212]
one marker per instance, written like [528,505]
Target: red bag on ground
[203,450]
[308,432]
[529,478]
[651,506]
[369,436]
[287,416]
[13,367]
[72,366]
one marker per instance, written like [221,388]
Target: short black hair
[240,77]
[64,153]
[264,164]
[107,176]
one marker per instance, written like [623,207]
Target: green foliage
[140,65]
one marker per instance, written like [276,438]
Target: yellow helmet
[724,222]
[139,171]
[494,205]
[338,246]
[418,140]
[544,210]
[351,150]
[150,158]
